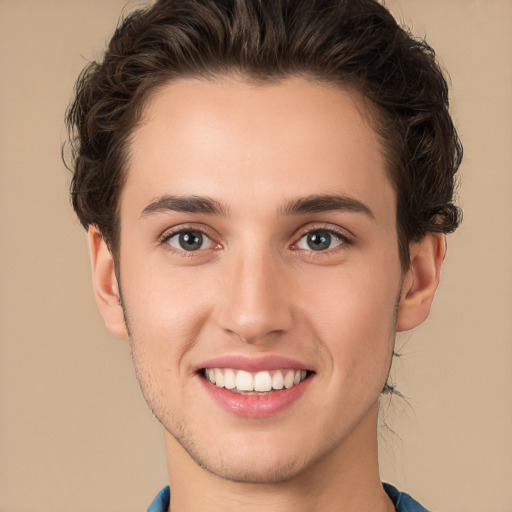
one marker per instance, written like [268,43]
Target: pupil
[319,241]
[191,241]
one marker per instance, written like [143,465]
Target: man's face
[258,238]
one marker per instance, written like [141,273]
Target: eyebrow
[187,204]
[205,205]
[325,203]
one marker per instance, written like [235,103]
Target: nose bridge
[254,300]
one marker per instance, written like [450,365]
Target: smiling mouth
[254,383]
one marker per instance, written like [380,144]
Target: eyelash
[345,240]
[167,235]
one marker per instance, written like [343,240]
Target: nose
[255,303]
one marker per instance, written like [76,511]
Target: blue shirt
[403,502]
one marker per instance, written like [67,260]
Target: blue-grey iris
[319,240]
[191,240]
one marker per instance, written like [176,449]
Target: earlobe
[420,281]
[106,288]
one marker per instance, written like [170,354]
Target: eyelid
[205,239]
[181,228]
[346,237]
[335,241]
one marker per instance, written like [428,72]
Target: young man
[266,187]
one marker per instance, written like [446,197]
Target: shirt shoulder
[161,501]
[403,502]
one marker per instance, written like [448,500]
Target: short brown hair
[353,43]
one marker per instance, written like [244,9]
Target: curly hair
[351,43]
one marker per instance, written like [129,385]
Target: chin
[252,471]
[264,462]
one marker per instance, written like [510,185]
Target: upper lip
[254,363]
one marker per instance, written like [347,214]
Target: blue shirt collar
[403,502]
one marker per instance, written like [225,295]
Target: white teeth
[262,381]
[277,380]
[244,381]
[259,382]
[288,379]
[219,378]
[229,379]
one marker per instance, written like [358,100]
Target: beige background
[74,432]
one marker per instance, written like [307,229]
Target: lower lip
[255,406]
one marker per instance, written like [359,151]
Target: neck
[347,479]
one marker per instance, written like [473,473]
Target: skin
[255,288]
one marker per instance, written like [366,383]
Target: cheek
[355,318]
[166,310]
[166,313]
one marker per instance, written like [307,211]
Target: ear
[420,281]
[106,288]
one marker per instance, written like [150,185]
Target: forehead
[241,142]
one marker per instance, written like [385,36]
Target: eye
[189,240]
[320,240]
